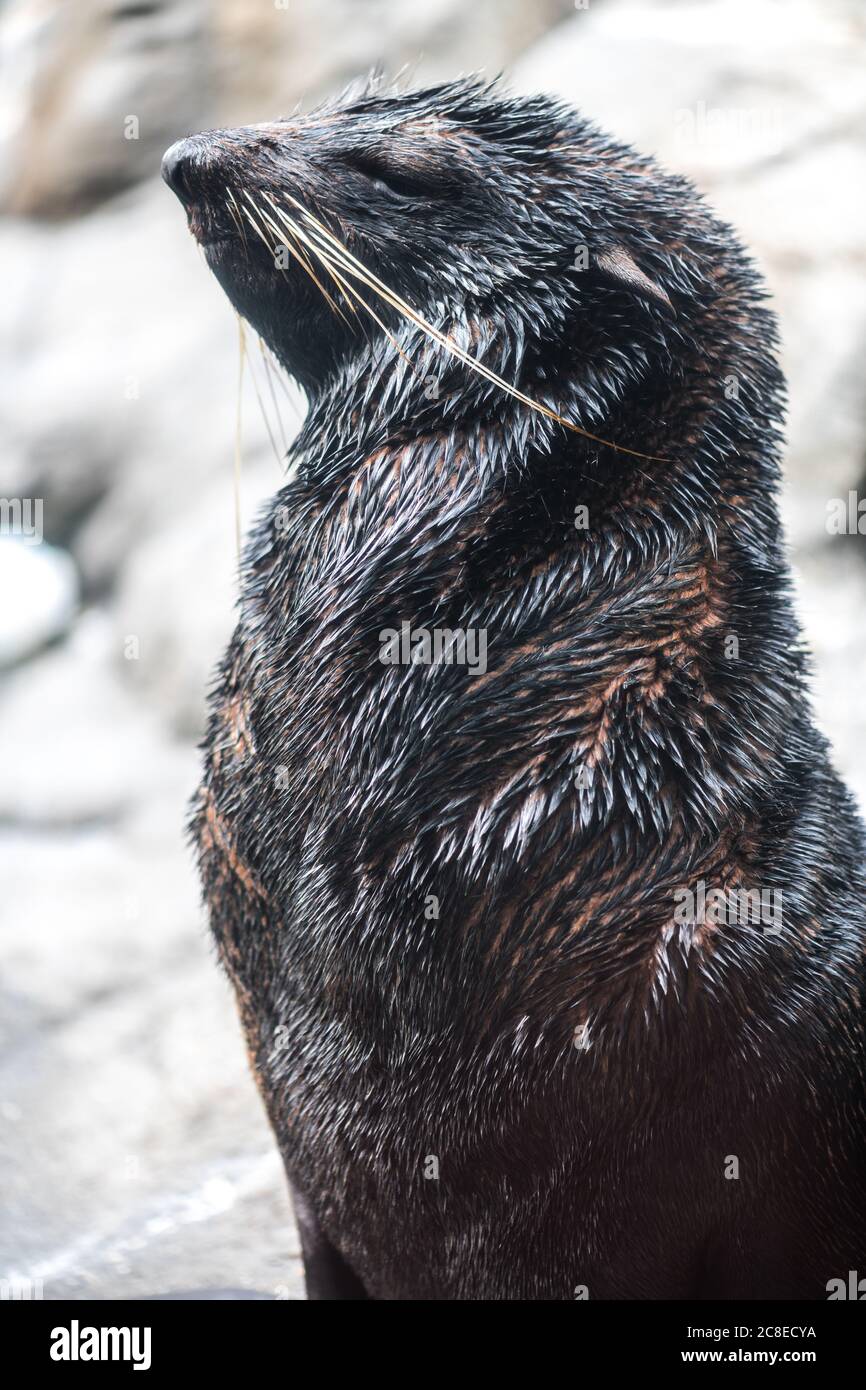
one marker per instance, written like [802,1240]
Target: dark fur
[339,792]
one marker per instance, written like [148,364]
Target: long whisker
[353,293]
[235,212]
[293,250]
[275,370]
[269,378]
[259,232]
[296,234]
[327,259]
[354,267]
[350,293]
[264,414]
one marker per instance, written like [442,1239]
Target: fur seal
[551,972]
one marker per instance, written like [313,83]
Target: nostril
[176,168]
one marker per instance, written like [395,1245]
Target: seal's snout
[178,164]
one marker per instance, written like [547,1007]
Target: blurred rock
[135,1152]
[310,49]
[93,92]
[40,595]
[78,746]
[119,390]
[177,598]
[831,600]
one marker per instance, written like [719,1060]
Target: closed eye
[389,180]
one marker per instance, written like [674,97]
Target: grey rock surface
[40,585]
[96,90]
[93,92]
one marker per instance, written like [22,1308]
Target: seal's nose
[177,164]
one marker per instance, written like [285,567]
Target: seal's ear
[619,266]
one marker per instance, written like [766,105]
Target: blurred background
[134,1155]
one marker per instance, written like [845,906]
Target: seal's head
[461,200]
[506,231]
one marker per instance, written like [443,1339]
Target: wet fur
[581,1066]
